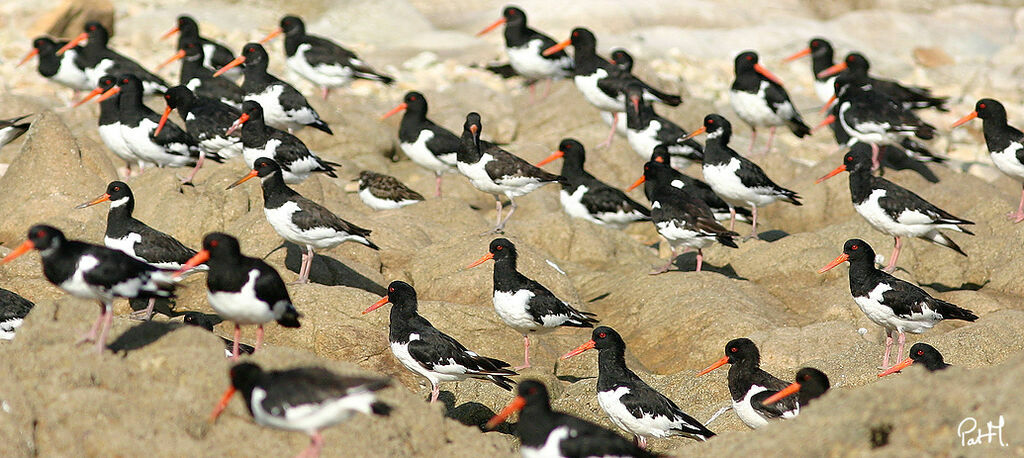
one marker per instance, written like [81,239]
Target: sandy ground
[154,393]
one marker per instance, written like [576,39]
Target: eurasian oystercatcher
[300,220]
[735,178]
[683,220]
[430,353]
[319,60]
[894,304]
[206,120]
[892,209]
[285,108]
[750,385]
[588,198]
[695,187]
[525,46]
[922,353]
[496,171]
[1005,143]
[93,272]
[241,289]
[205,321]
[544,432]
[136,239]
[306,399]
[622,59]
[810,384]
[62,69]
[200,80]
[213,55]
[629,401]
[385,192]
[260,140]
[758,98]
[165,145]
[600,81]
[522,303]
[13,310]
[97,60]
[822,56]
[645,130]
[110,124]
[427,144]
[910,97]
[11,129]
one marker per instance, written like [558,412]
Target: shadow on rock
[687,262]
[163,306]
[329,271]
[471,413]
[939,287]
[141,335]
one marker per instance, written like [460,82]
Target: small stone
[932,57]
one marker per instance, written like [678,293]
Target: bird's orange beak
[767,74]
[401,106]
[719,363]
[237,124]
[103,198]
[491,27]
[835,262]
[376,305]
[828,104]
[32,53]
[833,70]
[168,33]
[695,133]
[88,97]
[512,407]
[558,47]
[828,120]
[556,155]
[71,44]
[223,404]
[834,172]
[968,117]
[270,36]
[638,182]
[580,349]
[200,257]
[234,63]
[163,120]
[178,55]
[797,55]
[892,370]
[252,174]
[782,394]
[483,259]
[110,93]
[25,247]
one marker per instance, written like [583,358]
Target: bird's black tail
[381,409]
[290,317]
[953,312]
[322,126]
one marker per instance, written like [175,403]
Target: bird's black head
[606,338]
[572,151]
[128,82]
[292,25]
[716,126]
[634,97]
[534,393]
[514,16]
[745,61]
[990,109]
[245,376]
[660,154]
[819,46]
[415,102]
[813,383]
[96,32]
[927,355]
[193,49]
[401,293]
[107,82]
[858,158]
[858,250]
[266,167]
[255,55]
[582,38]
[187,26]
[857,63]
[502,248]
[622,59]
[742,350]
[119,193]
[198,319]
[179,97]
[657,172]
[219,244]
[253,109]
[45,237]
[45,45]
[473,125]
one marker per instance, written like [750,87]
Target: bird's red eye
[750,57]
[575,34]
[499,247]
[920,353]
[214,243]
[412,98]
[849,158]
[91,28]
[250,50]
[981,105]
[711,121]
[734,349]
[117,188]
[40,234]
[855,247]
[602,335]
[124,80]
[391,290]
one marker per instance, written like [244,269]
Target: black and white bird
[750,386]
[206,322]
[199,79]
[13,310]
[97,60]
[261,140]
[165,145]
[425,143]
[646,130]
[628,400]
[130,236]
[758,98]
[695,187]
[206,120]
[241,289]
[214,55]
[300,220]
[822,56]
[588,198]
[1005,143]
[93,272]
[894,210]
[543,432]
[63,69]
[685,221]
[896,305]
[524,47]
[11,129]
[910,97]
[920,353]
[385,192]
[810,384]
[305,399]
[285,108]
[602,82]
[522,303]
[430,353]
[110,125]
[321,61]
[497,172]
[736,179]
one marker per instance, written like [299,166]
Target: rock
[68,19]
[932,57]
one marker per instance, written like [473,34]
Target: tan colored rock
[68,19]
[932,57]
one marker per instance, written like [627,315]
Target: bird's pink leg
[259,339]
[526,353]
[888,348]
[671,259]
[874,157]
[753,140]
[640,441]
[145,314]
[547,89]
[700,258]
[533,91]
[199,163]
[437,185]
[771,136]
[899,350]
[434,392]
[732,217]
[108,317]
[891,266]
[753,223]
[91,335]
[1019,215]
[324,92]
[316,444]
[611,133]
[238,336]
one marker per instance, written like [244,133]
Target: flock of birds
[874,118]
